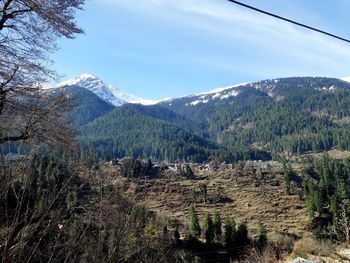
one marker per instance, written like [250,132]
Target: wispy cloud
[234,29]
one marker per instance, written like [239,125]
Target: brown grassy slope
[241,195]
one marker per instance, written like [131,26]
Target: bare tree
[28,33]
[342,227]
[28,113]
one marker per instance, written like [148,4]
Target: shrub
[311,246]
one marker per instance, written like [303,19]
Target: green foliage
[324,197]
[136,168]
[259,118]
[287,173]
[127,131]
[262,236]
[154,131]
[217,226]
[186,183]
[71,200]
[316,122]
[230,232]
[242,234]
[208,228]
[87,105]
[194,227]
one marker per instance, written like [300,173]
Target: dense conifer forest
[303,115]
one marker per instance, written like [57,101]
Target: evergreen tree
[242,234]
[230,232]
[262,236]
[194,227]
[217,226]
[333,208]
[208,228]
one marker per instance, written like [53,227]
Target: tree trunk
[2,100]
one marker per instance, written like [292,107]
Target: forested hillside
[87,105]
[291,115]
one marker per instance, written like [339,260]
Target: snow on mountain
[220,93]
[347,79]
[216,94]
[108,93]
[221,89]
[94,84]
[267,86]
[130,98]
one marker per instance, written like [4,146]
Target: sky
[166,48]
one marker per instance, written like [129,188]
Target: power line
[289,20]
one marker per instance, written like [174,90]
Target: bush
[254,255]
[311,246]
[285,243]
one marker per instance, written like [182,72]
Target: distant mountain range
[117,97]
[286,116]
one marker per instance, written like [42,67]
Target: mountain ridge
[117,97]
[290,116]
[110,93]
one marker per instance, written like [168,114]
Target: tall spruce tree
[230,232]
[242,234]
[208,228]
[217,226]
[194,226]
[262,236]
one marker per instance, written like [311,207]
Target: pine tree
[217,226]
[229,232]
[314,200]
[242,234]
[334,207]
[262,236]
[208,228]
[194,227]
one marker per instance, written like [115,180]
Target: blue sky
[167,48]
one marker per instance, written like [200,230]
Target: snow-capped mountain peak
[85,78]
[94,84]
[109,93]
